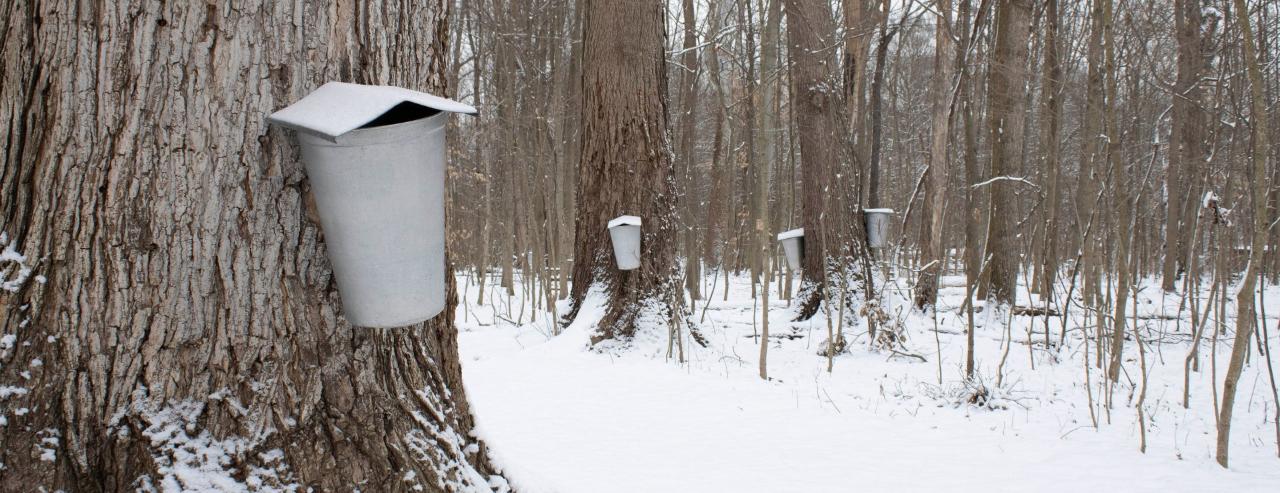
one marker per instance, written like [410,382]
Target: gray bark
[183,273]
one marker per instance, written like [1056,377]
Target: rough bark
[827,204]
[1006,109]
[184,299]
[626,165]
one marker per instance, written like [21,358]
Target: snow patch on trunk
[188,458]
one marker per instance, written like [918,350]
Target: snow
[624,220]
[12,263]
[559,417]
[188,458]
[1209,200]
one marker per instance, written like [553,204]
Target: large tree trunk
[829,201]
[184,315]
[1006,108]
[926,290]
[626,166]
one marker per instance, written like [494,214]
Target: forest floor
[560,417]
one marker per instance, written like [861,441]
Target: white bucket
[878,226]
[793,247]
[624,232]
[379,189]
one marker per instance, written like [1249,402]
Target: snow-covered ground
[559,417]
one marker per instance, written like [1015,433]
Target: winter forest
[637,245]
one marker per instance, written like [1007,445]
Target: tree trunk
[184,303]
[857,48]
[877,108]
[626,166]
[1090,173]
[1051,124]
[1246,313]
[1006,108]
[939,164]
[828,207]
[688,116]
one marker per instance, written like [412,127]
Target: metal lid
[339,107]
[624,220]
[795,233]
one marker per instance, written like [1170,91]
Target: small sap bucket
[878,226]
[375,158]
[793,247]
[624,232]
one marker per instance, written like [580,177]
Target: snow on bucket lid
[624,220]
[340,107]
[795,233]
[878,211]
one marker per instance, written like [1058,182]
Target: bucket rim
[383,134]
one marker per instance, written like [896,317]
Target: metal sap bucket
[624,232]
[375,157]
[793,246]
[878,226]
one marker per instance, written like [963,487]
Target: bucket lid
[878,211]
[624,221]
[340,107]
[795,233]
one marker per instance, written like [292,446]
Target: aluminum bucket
[793,247]
[878,226]
[380,194]
[624,232]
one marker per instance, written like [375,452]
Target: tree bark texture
[626,165]
[1006,108]
[184,313]
[829,196]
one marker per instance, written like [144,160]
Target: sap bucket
[793,246]
[375,157]
[878,226]
[624,231]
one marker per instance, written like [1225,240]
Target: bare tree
[688,116]
[939,163]
[828,208]
[1187,140]
[1006,109]
[1245,309]
[626,165]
